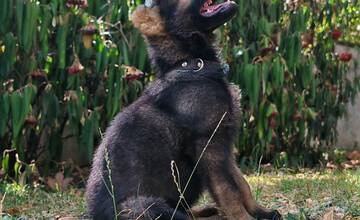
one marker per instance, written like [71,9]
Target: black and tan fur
[173,121]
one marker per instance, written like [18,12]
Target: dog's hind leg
[148,208]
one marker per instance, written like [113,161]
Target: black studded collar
[201,66]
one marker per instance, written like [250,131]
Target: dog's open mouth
[209,8]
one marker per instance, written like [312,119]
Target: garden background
[67,67]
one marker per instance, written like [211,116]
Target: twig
[121,31]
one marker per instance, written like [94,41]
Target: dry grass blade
[176,176]
[197,163]
[145,210]
[1,205]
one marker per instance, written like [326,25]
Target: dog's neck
[167,49]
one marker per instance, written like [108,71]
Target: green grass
[297,196]
[38,203]
[310,194]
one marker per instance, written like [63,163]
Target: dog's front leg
[228,186]
[215,169]
[250,204]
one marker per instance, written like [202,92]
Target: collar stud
[199,64]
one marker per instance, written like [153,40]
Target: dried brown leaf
[353,155]
[329,215]
[59,182]
[331,165]
[13,211]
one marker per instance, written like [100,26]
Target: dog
[174,142]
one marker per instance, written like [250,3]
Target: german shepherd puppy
[185,119]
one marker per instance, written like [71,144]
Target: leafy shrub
[64,72]
[296,87]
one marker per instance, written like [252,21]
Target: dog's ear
[148,21]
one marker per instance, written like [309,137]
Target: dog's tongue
[209,7]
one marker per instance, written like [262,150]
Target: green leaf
[8,58]
[4,112]
[5,161]
[19,12]
[270,109]
[50,106]
[306,73]
[87,134]
[252,83]
[311,113]
[278,72]
[61,46]
[20,108]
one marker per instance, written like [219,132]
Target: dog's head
[183,16]
[178,30]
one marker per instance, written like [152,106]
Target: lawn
[307,194]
